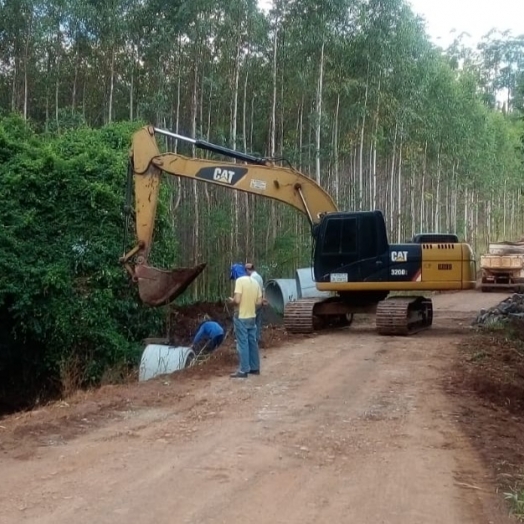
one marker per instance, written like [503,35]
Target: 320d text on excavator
[352,257]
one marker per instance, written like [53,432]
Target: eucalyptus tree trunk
[488,220]
[361,149]
[14,84]
[252,121]
[273,123]
[335,152]
[475,223]
[178,90]
[447,207]
[319,113]
[194,113]
[244,114]
[399,189]
[84,86]
[300,133]
[247,197]
[455,205]
[392,179]
[47,83]
[132,90]
[374,170]
[504,208]
[111,84]
[423,188]
[374,151]
[57,92]
[436,216]
[178,200]
[201,103]
[466,213]
[26,64]
[513,225]
[234,115]
[412,212]
[422,198]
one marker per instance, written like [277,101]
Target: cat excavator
[352,257]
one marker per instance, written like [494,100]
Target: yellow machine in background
[352,256]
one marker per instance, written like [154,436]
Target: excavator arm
[256,176]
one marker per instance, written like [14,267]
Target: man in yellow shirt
[247,297]
[250,270]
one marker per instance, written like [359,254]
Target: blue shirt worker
[211,330]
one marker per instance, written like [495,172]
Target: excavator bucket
[157,287]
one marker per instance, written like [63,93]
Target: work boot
[255,372]
[238,374]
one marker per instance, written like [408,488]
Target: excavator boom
[257,176]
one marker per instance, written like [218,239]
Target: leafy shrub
[64,298]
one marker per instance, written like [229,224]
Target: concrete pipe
[279,292]
[306,287]
[159,359]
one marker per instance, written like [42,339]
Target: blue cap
[237,270]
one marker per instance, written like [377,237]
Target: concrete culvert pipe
[279,292]
[160,359]
[306,287]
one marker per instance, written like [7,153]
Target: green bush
[66,304]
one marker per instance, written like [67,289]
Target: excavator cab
[350,247]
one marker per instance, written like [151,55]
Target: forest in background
[351,92]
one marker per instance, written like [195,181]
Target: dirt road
[347,427]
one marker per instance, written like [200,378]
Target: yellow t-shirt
[250,292]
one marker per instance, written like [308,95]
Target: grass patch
[515,498]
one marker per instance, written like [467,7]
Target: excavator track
[402,316]
[299,317]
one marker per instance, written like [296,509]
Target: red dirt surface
[86,410]
[345,426]
[486,381]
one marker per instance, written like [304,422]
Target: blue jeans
[216,342]
[259,323]
[208,345]
[247,345]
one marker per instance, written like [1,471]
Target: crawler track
[299,317]
[404,315]
[398,316]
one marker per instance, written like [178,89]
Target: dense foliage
[352,92]
[68,311]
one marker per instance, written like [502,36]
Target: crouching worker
[209,336]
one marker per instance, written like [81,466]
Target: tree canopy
[351,92]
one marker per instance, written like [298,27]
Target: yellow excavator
[352,257]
